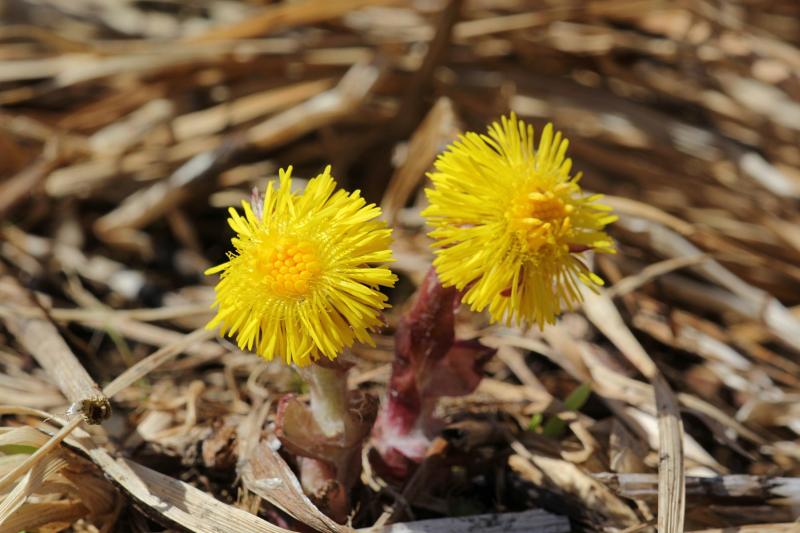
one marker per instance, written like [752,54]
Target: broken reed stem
[41,338]
[134,373]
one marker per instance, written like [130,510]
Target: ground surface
[127,127]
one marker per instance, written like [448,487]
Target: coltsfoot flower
[510,223]
[299,284]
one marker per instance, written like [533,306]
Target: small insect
[93,410]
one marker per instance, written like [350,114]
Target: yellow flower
[300,284]
[509,223]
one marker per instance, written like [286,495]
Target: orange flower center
[290,267]
[538,218]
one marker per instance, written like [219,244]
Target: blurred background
[127,126]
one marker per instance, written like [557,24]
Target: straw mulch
[127,127]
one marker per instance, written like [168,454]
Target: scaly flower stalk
[328,398]
[300,286]
[327,435]
[429,364]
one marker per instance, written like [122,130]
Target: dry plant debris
[127,127]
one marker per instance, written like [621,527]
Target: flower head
[510,223]
[300,284]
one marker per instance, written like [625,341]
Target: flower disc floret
[301,283]
[291,267]
[510,223]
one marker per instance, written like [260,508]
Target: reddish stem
[429,363]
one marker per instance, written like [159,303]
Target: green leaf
[11,449]
[577,398]
[536,421]
[555,427]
